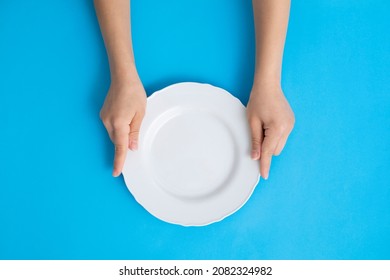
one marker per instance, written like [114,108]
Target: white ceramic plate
[193,165]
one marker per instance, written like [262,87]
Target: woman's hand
[122,114]
[271,120]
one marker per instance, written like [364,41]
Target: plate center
[192,153]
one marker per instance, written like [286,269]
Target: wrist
[124,73]
[266,81]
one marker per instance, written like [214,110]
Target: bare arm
[124,107]
[114,21]
[270,116]
[271,20]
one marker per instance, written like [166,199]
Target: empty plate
[193,165]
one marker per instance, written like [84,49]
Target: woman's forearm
[271,20]
[125,103]
[269,113]
[114,21]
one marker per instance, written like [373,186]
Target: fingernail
[255,155]
[133,145]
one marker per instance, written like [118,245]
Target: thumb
[257,139]
[135,126]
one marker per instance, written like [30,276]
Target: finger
[268,147]
[121,144]
[281,144]
[257,138]
[109,128]
[135,126]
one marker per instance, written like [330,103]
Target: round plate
[193,165]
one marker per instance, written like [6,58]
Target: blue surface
[328,196]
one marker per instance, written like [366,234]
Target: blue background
[328,196]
